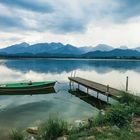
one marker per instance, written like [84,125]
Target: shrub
[129,98]
[118,115]
[135,109]
[132,101]
[54,127]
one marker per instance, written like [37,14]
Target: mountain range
[59,49]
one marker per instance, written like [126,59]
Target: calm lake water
[21,111]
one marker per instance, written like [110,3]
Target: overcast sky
[76,22]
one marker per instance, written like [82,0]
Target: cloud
[70,21]
[7,23]
[126,9]
[66,16]
[33,5]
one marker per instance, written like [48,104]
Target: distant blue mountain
[44,48]
[102,47]
[113,53]
[137,49]
[17,48]
[123,47]
[69,49]
[50,48]
[61,50]
[99,47]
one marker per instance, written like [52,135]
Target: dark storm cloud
[32,5]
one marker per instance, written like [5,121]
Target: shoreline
[115,122]
[70,58]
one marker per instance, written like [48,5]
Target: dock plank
[96,86]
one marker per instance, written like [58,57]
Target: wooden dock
[99,88]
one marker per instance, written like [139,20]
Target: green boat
[26,86]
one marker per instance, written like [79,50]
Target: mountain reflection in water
[59,66]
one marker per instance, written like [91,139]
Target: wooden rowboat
[26,87]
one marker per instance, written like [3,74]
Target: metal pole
[127,83]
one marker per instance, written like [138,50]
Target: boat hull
[27,88]
[32,92]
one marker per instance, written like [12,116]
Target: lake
[21,111]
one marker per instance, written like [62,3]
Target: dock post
[73,85]
[71,73]
[78,86]
[97,94]
[87,90]
[107,98]
[70,84]
[107,88]
[107,93]
[126,83]
[74,73]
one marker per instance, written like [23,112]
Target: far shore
[69,58]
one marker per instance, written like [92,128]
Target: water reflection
[25,110]
[44,91]
[89,99]
[21,111]
[59,66]
[108,72]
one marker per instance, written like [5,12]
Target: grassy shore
[117,122]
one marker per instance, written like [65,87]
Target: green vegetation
[118,115]
[132,101]
[54,127]
[17,135]
[117,122]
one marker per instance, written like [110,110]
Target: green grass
[132,101]
[119,115]
[105,133]
[129,98]
[51,129]
[16,135]
[80,134]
